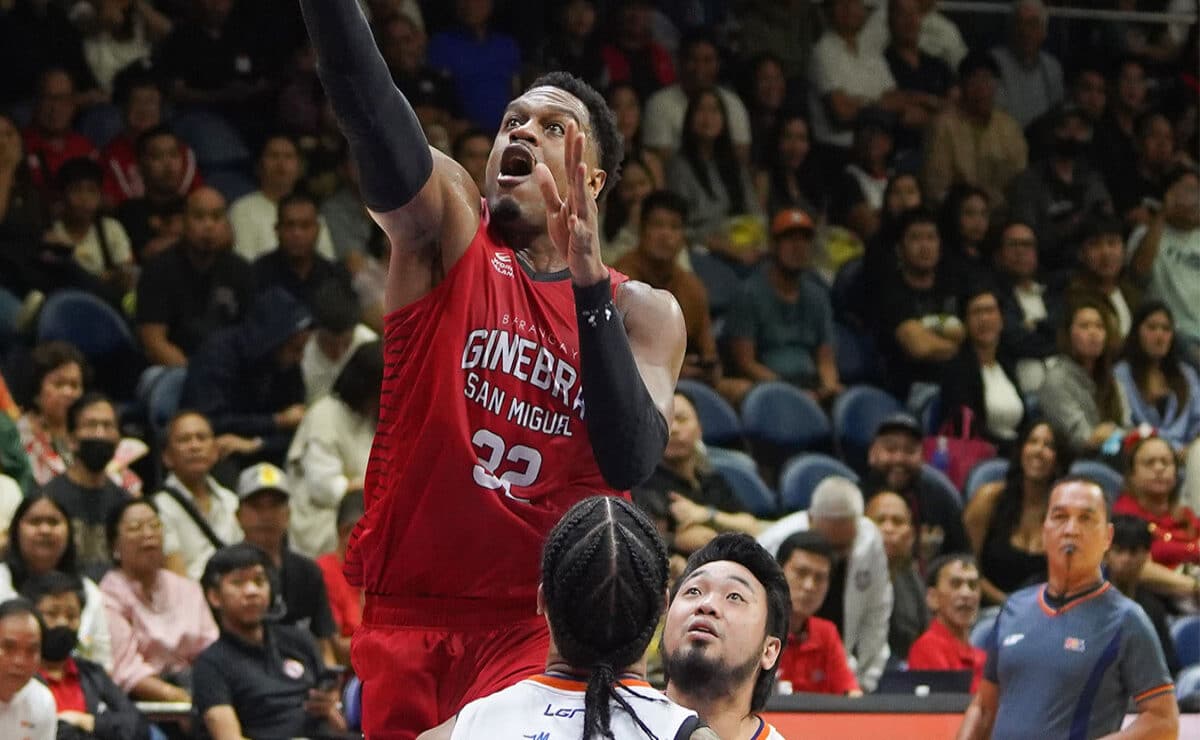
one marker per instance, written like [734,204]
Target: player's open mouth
[701,627]
[516,164]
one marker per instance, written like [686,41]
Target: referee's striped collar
[1072,603]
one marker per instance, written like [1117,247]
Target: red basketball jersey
[481,445]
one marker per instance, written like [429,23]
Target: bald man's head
[205,224]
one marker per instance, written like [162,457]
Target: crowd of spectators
[996,210]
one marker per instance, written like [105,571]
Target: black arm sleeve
[384,134]
[627,430]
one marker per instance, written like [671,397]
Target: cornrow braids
[604,573]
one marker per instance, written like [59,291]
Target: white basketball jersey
[551,707]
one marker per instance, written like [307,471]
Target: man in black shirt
[85,491]
[195,287]
[259,679]
[160,162]
[430,91]
[294,265]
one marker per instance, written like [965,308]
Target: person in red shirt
[814,660]
[49,140]
[344,600]
[953,597]
[1152,493]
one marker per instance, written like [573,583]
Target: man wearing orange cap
[781,323]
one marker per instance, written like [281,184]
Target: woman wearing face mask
[42,540]
[160,621]
[85,697]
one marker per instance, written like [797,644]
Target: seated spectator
[903,194]
[919,329]
[1165,256]
[780,326]
[49,139]
[1139,188]
[1032,311]
[254,216]
[1152,493]
[1057,195]
[981,379]
[24,213]
[1088,96]
[58,372]
[788,176]
[621,221]
[575,45]
[894,464]
[715,184]
[769,97]
[148,216]
[857,191]
[471,149]
[246,379]
[85,490]
[294,264]
[191,503]
[972,141]
[699,70]
[938,36]
[345,601]
[27,708]
[627,107]
[814,660]
[963,226]
[263,512]
[137,91]
[859,601]
[1080,395]
[685,491]
[655,261]
[193,288]
[1116,136]
[634,56]
[1102,278]
[337,332]
[953,596]
[86,698]
[1031,80]
[925,79]
[96,242]
[244,689]
[14,467]
[429,90]
[483,63]
[328,456]
[910,615]
[1004,519]
[1123,564]
[158,619]
[42,540]
[120,34]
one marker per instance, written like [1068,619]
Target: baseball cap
[261,477]
[791,219]
[899,422]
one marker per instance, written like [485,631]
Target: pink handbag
[961,452]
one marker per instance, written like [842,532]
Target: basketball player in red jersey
[521,375]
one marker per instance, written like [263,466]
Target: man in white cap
[859,601]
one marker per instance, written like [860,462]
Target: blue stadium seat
[1188,682]
[718,421]
[856,414]
[782,415]
[352,703]
[101,124]
[854,352]
[1109,479]
[930,414]
[85,321]
[935,477]
[217,143]
[802,474]
[755,496]
[165,393]
[987,471]
[232,184]
[734,458]
[719,280]
[1185,633]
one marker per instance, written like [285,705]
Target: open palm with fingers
[572,221]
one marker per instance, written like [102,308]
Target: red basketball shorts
[417,678]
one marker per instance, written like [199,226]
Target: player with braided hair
[603,590]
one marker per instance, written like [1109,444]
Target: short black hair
[54,583]
[276,136]
[296,197]
[20,606]
[696,36]
[335,307]
[133,76]
[744,550]
[605,135]
[18,568]
[150,134]
[112,523]
[665,200]
[50,356]
[912,217]
[81,404]
[975,61]
[361,378]
[231,558]
[350,509]
[1131,533]
[810,541]
[79,169]
[934,571]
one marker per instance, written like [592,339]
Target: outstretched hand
[572,222]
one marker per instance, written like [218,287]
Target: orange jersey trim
[1154,692]
[574,684]
[1051,612]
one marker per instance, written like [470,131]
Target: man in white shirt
[699,68]
[939,36]
[1031,81]
[27,709]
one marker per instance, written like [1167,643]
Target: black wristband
[627,431]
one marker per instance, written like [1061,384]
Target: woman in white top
[118,33]
[329,453]
[41,540]
[98,243]
[979,379]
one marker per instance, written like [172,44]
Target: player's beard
[696,674]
